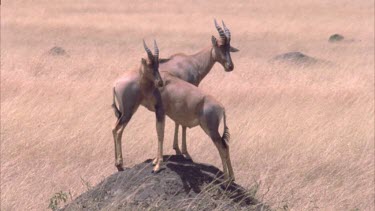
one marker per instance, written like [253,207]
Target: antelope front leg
[184,147]
[160,124]
[159,157]
[175,140]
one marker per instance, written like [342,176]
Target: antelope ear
[214,41]
[144,62]
[162,60]
[233,49]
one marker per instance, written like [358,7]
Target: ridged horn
[220,30]
[156,51]
[150,56]
[226,30]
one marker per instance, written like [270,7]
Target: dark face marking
[223,48]
[156,74]
[151,71]
[151,65]
[224,57]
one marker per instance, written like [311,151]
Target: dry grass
[306,134]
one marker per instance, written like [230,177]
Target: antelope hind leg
[223,161]
[175,140]
[229,164]
[184,146]
[117,135]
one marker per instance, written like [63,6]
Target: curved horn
[156,51]
[220,30]
[226,30]
[150,56]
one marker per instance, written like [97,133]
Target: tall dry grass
[305,134]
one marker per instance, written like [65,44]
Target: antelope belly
[184,118]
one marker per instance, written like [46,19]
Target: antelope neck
[146,84]
[203,62]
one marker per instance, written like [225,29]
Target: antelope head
[150,66]
[222,47]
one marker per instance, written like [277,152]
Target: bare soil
[180,185]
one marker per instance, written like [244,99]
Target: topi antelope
[195,67]
[188,106]
[143,91]
[190,68]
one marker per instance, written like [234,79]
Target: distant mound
[295,58]
[180,185]
[336,38]
[56,51]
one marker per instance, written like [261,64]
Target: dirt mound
[295,58]
[300,60]
[57,51]
[336,38]
[180,185]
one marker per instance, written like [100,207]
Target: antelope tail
[226,135]
[116,110]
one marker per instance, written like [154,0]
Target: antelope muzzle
[158,81]
[229,66]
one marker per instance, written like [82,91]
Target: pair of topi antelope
[169,87]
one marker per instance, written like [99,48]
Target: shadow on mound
[180,185]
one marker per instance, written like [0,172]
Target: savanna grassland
[303,134]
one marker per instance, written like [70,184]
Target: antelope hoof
[156,169]
[228,179]
[119,167]
[155,161]
[178,152]
[187,156]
